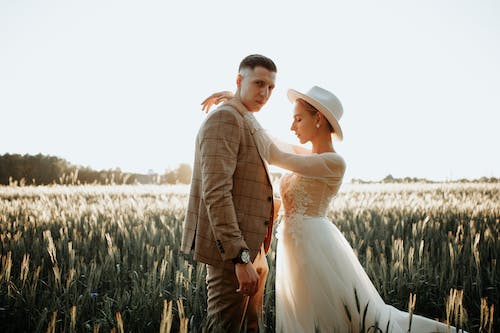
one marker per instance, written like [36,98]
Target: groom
[230,211]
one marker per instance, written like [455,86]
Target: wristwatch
[243,257]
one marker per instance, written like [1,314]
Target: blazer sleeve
[314,165]
[219,146]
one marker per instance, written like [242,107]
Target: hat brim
[293,95]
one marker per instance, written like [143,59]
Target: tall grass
[102,258]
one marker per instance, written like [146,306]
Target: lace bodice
[302,195]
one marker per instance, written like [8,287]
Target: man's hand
[247,277]
[215,98]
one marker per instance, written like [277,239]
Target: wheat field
[106,258]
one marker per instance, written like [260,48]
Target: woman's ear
[319,116]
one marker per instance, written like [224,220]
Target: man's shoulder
[225,114]
[227,110]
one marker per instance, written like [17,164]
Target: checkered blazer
[231,199]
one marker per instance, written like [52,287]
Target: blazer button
[269,199]
[266,222]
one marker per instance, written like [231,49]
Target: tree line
[16,169]
[391,179]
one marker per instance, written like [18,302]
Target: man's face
[255,87]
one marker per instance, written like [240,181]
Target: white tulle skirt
[317,274]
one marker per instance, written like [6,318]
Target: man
[230,209]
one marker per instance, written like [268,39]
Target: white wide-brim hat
[325,102]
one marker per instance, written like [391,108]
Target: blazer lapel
[242,110]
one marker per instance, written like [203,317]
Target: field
[106,258]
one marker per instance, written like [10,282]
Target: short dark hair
[255,60]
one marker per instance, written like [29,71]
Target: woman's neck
[322,141]
[323,146]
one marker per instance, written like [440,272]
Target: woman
[320,283]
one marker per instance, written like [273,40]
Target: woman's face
[304,123]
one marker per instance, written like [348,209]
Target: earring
[317,125]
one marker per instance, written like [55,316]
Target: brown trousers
[226,307]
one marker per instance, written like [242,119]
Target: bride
[320,283]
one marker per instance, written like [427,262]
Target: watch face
[245,256]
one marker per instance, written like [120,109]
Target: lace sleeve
[281,145]
[318,165]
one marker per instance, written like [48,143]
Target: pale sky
[118,83]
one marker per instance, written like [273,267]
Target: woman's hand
[215,98]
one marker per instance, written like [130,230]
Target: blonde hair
[312,110]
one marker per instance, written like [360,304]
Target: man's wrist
[243,257]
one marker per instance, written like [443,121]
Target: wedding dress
[318,276]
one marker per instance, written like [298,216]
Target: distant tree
[169,177]
[184,173]
[37,169]
[388,179]
[45,169]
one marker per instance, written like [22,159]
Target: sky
[111,84]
